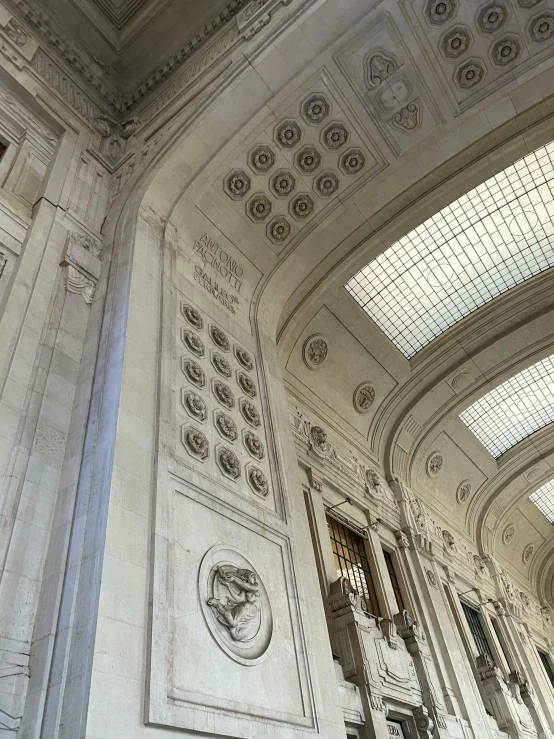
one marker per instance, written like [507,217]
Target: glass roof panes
[489,240]
[543,498]
[514,410]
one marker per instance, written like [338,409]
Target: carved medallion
[278,230]
[262,158]
[352,162]
[334,136]
[315,109]
[463,492]
[226,426]
[308,159]
[315,351]
[283,184]
[224,394]
[193,342]
[254,445]
[229,463]
[219,338]
[250,413]
[541,29]
[258,481]
[244,358]
[222,365]
[235,604]
[456,43]
[363,398]
[288,134]
[434,464]
[528,553]
[258,207]
[470,74]
[195,442]
[193,372]
[508,533]
[237,184]
[492,18]
[301,206]
[439,11]
[247,384]
[192,316]
[194,405]
[506,51]
[326,184]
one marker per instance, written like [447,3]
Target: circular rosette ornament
[222,365]
[364,396]
[194,405]
[235,604]
[195,442]
[193,342]
[254,445]
[250,413]
[224,394]
[219,338]
[257,479]
[229,463]
[244,358]
[192,316]
[315,351]
[247,384]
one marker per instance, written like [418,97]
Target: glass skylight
[543,498]
[514,410]
[486,242]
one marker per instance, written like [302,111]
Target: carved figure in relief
[239,611]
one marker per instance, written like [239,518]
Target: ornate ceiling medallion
[278,230]
[463,492]
[257,479]
[327,184]
[283,183]
[301,206]
[508,534]
[235,604]
[528,553]
[237,184]
[194,405]
[470,74]
[244,358]
[228,463]
[288,134]
[434,464]
[315,351]
[315,109]
[262,158]
[364,396]
[195,442]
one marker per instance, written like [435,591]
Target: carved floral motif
[193,342]
[542,28]
[192,316]
[315,109]
[492,18]
[327,184]
[250,413]
[352,162]
[237,184]
[247,384]
[308,159]
[196,443]
[470,74]
[258,208]
[334,136]
[194,405]
[226,426]
[301,206]
[288,134]
[254,445]
[456,43]
[229,463]
[224,394]
[258,481]
[439,11]
[283,183]
[219,338]
[262,158]
[244,358]
[506,51]
[222,365]
[278,230]
[194,372]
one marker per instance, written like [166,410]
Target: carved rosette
[541,29]
[219,338]
[492,18]
[195,442]
[247,384]
[434,464]
[352,162]
[456,43]
[326,184]
[506,51]
[257,479]
[334,136]
[470,74]
[283,183]
[250,413]
[223,394]
[315,351]
[244,358]
[194,405]
[254,445]
[192,316]
[301,206]
[193,342]
[193,372]
[222,365]
[278,230]
[226,426]
[237,184]
[235,604]
[315,109]
[262,158]
[229,463]
[308,159]
[288,134]
[363,398]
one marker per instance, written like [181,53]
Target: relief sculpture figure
[239,611]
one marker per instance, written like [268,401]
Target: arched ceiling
[345,129]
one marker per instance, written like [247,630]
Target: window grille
[473,618]
[394,581]
[547,666]
[351,562]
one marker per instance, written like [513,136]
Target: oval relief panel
[235,604]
